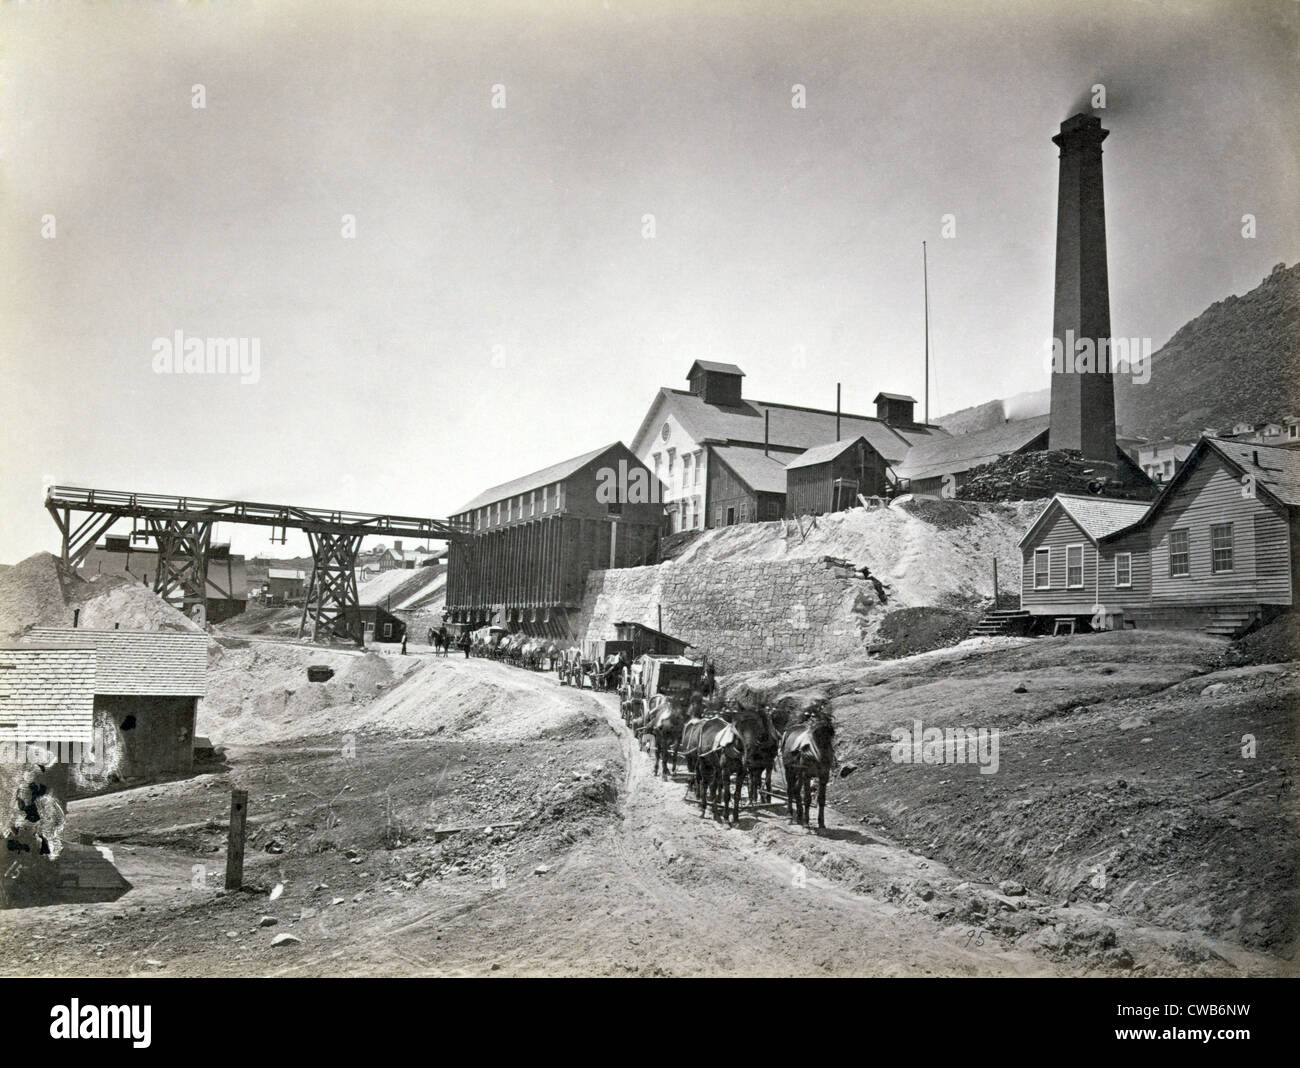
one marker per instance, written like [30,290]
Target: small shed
[828,478]
[648,640]
[148,685]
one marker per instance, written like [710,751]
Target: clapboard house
[147,689]
[1216,550]
[534,539]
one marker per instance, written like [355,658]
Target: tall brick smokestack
[1083,394]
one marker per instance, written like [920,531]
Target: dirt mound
[944,514]
[919,630]
[40,591]
[1276,643]
[259,691]
[31,593]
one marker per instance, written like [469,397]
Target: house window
[532,503]
[388,630]
[672,455]
[1074,567]
[615,507]
[510,509]
[699,459]
[1180,561]
[1042,569]
[1123,570]
[699,511]
[686,469]
[1221,547]
[545,490]
[731,516]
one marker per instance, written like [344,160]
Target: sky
[446,294]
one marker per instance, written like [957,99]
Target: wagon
[671,676]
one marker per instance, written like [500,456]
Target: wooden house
[1216,549]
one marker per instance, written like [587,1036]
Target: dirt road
[579,861]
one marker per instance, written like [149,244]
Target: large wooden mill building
[533,540]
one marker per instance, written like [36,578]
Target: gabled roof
[790,427]
[535,480]
[47,693]
[1274,468]
[144,663]
[893,396]
[762,474]
[1097,517]
[954,453]
[717,368]
[820,454]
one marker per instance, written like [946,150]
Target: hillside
[1238,360]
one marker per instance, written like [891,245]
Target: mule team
[731,748]
[726,748]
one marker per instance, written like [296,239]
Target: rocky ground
[523,834]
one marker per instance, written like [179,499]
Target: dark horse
[667,717]
[807,753]
[721,757]
[761,737]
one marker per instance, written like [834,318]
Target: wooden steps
[1000,621]
[1229,623]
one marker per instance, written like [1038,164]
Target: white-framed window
[672,455]
[1220,548]
[686,468]
[699,461]
[1180,554]
[1042,569]
[1123,570]
[510,509]
[532,503]
[1074,567]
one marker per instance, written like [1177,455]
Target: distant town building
[286,585]
[1162,459]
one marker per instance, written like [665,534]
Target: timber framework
[181,528]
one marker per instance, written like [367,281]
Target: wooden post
[235,841]
[996,602]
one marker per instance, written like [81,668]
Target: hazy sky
[500,307]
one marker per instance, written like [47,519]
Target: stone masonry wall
[744,615]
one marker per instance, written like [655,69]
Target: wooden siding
[540,564]
[1261,543]
[1057,535]
[725,491]
[811,490]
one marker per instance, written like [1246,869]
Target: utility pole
[925,275]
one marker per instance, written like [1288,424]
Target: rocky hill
[1239,360]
